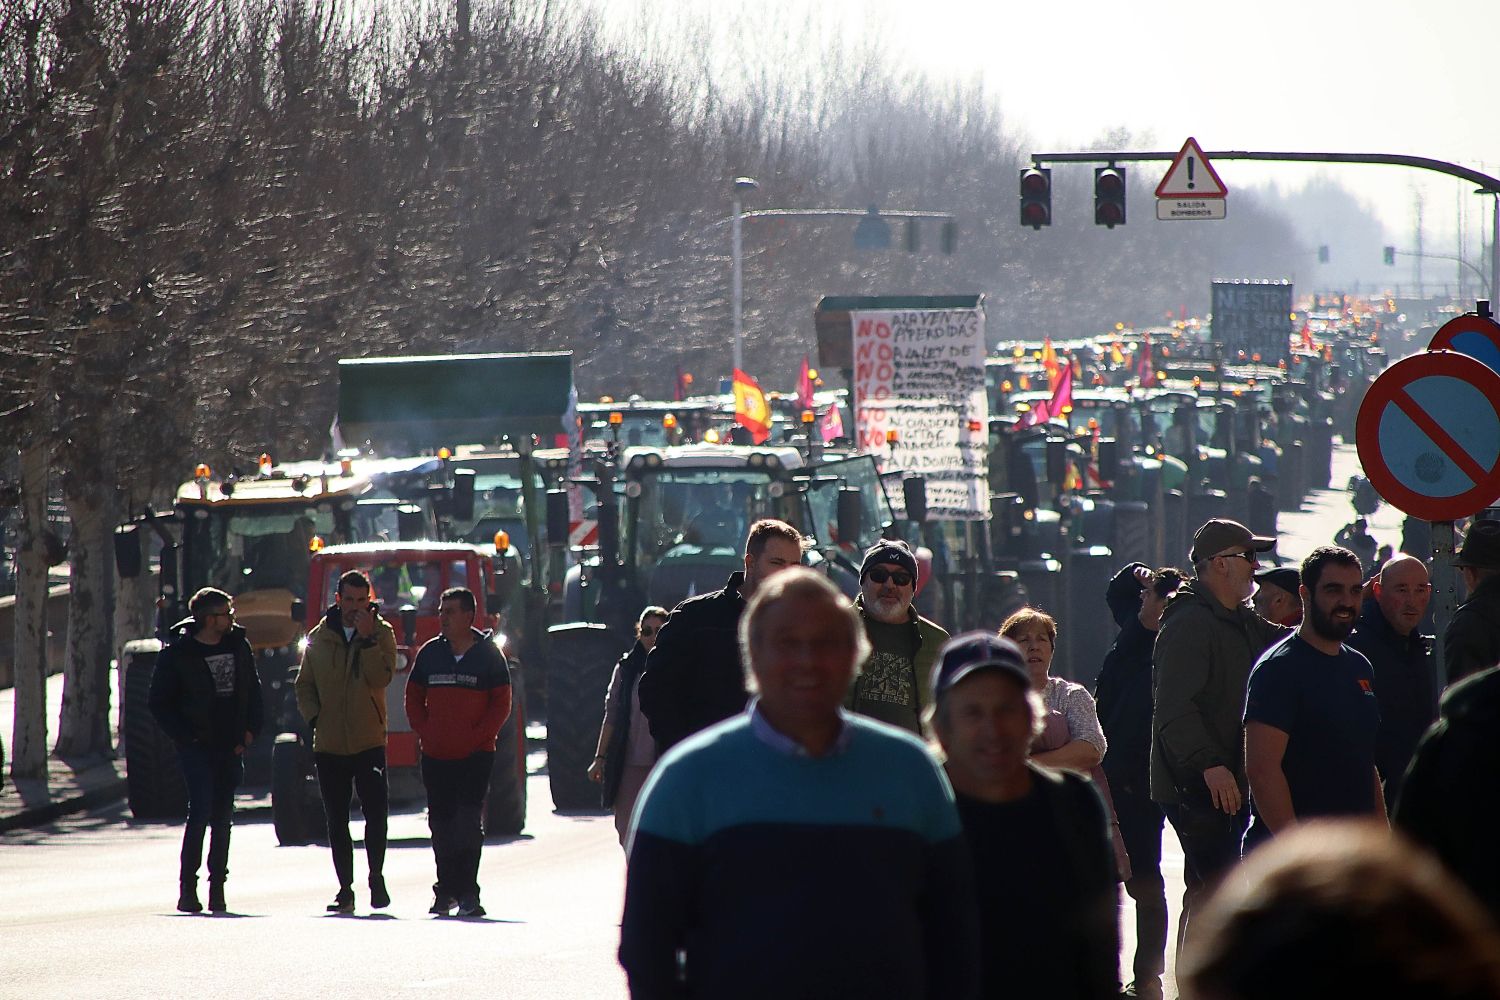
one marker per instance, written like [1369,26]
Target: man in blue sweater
[796,850]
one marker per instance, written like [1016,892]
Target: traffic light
[1036,197]
[1109,196]
[1323,254]
[1390,256]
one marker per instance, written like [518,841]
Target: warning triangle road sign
[1191,176]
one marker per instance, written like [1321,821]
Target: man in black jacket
[1471,641]
[1387,634]
[205,693]
[1136,597]
[694,677]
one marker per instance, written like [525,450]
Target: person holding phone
[349,662]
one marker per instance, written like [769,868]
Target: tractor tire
[579,661]
[154,784]
[505,804]
[292,814]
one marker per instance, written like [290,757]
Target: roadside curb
[104,794]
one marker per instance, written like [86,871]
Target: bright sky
[1387,76]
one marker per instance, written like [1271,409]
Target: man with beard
[895,684]
[1311,716]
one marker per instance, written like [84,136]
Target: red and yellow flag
[751,410]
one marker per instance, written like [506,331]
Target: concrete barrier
[57,633]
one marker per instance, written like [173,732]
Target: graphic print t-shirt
[219,661]
[886,689]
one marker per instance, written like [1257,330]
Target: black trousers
[1210,841]
[339,777]
[211,776]
[1141,822]
[455,813]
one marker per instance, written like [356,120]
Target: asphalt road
[89,911]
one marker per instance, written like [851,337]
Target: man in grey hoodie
[1209,640]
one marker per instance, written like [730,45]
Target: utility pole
[1417,241]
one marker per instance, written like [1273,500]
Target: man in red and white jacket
[457,698]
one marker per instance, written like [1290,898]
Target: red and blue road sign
[1471,334]
[1428,435]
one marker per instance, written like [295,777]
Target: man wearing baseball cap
[1278,598]
[1471,642]
[894,685]
[1208,641]
[1044,869]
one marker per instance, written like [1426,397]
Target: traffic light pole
[1486,183]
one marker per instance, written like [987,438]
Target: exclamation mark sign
[1191,183]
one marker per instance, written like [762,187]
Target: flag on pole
[677,387]
[1049,362]
[832,424]
[1144,372]
[1062,394]
[805,386]
[751,410]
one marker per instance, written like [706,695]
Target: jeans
[455,813]
[1210,841]
[1141,823]
[339,776]
[211,776]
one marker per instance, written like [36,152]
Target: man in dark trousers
[1471,641]
[349,662]
[1044,870]
[799,850]
[1137,597]
[693,677]
[1401,657]
[205,692]
[457,698]
[1208,641]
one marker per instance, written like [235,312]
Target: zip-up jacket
[928,638]
[341,685]
[1201,667]
[1404,679]
[457,706]
[693,677]
[183,695]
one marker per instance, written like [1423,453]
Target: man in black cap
[895,684]
[1044,869]
[1278,599]
[1208,641]
[1472,640]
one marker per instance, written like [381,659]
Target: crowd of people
[880,810]
[821,796]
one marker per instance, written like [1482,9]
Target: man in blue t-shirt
[1311,716]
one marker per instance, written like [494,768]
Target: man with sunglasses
[205,693]
[895,684]
[1209,639]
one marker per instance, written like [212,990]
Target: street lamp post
[742,186]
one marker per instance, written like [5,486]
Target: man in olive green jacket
[349,662]
[895,683]
[1209,640]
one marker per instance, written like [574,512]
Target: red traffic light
[1036,197]
[1109,196]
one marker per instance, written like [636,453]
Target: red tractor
[408,578]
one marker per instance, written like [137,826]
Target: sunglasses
[880,575]
[650,629]
[1249,557]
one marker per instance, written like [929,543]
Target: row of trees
[205,205]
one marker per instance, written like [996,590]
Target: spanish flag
[1049,362]
[751,410]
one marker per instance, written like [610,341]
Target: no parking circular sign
[1428,435]
[1471,334]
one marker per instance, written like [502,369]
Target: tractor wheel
[579,661]
[153,776]
[505,805]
